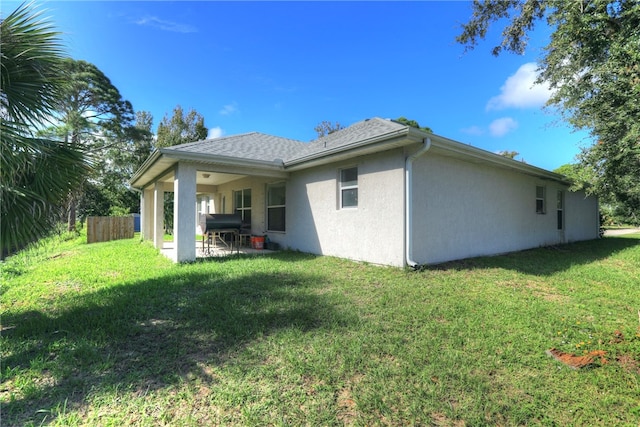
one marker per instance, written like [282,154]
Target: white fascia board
[275,164]
[216,163]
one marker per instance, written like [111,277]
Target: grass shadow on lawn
[152,334]
[546,261]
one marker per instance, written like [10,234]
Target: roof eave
[176,156]
[276,164]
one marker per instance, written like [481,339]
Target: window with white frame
[276,201]
[560,210]
[349,188]
[540,199]
[242,205]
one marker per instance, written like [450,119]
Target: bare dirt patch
[592,358]
[347,406]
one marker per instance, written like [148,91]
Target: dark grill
[217,222]
[216,225]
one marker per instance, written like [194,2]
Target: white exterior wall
[463,209]
[460,209]
[372,232]
[582,217]
[258,187]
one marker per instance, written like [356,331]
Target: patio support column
[158,215]
[146,214]
[184,212]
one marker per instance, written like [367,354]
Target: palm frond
[37,189]
[36,174]
[30,77]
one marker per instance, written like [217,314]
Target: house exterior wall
[460,208]
[258,187]
[581,217]
[463,209]
[372,232]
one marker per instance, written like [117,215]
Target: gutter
[408,205]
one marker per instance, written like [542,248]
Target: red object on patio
[257,242]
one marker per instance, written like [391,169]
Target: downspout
[408,202]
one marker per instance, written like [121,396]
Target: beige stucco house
[377,191]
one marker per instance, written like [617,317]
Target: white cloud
[215,132]
[502,126]
[229,109]
[175,27]
[520,90]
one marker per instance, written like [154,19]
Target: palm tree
[36,174]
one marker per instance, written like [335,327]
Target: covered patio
[204,182]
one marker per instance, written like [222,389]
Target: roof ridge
[352,125]
[219,138]
[239,135]
[227,137]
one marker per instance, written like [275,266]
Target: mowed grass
[114,334]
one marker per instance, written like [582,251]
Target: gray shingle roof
[263,147]
[251,146]
[358,132]
[259,147]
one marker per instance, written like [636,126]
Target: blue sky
[283,67]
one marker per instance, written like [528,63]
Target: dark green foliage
[523,14]
[121,161]
[413,123]
[35,173]
[93,201]
[181,128]
[92,114]
[92,111]
[580,177]
[508,154]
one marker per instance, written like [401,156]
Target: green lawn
[114,334]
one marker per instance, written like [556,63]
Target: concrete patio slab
[212,251]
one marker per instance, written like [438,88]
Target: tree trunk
[72,214]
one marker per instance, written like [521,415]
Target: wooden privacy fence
[105,228]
